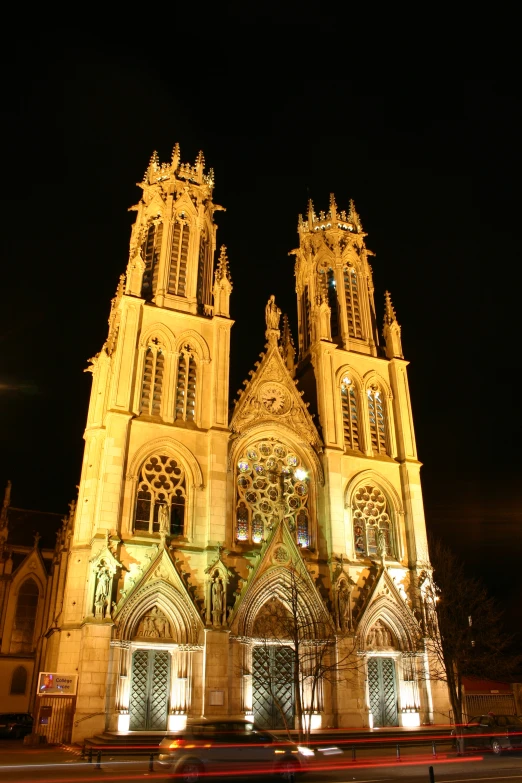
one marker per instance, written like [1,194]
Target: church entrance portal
[150,685]
[383,691]
[273,686]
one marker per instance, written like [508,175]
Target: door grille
[273,686]
[150,685]
[383,691]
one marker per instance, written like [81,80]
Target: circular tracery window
[266,471]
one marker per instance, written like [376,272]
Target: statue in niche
[217,601]
[272,314]
[379,636]
[344,606]
[163,519]
[101,596]
[382,547]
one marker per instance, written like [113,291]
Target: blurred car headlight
[305,751]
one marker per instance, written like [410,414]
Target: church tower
[155,455]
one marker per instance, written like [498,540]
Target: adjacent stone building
[195,517]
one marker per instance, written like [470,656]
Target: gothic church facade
[191,515]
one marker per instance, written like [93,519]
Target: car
[15,725]
[229,747]
[493,732]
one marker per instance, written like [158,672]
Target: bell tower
[334,281]
[174,237]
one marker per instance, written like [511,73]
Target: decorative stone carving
[272,314]
[379,636]
[154,624]
[101,595]
[281,556]
[218,576]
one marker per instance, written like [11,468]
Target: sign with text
[57,684]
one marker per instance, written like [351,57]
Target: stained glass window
[353,310]
[350,414]
[333,303]
[377,414]
[162,482]
[242,522]
[270,483]
[371,522]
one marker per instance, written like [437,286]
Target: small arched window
[372,529]
[377,415]
[350,413]
[152,385]
[179,257]
[186,385]
[353,307]
[161,501]
[150,252]
[19,681]
[25,617]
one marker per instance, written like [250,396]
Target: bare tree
[462,627]
[322,654]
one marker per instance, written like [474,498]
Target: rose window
[371,522]
[271,483]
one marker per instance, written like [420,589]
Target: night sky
[434,168]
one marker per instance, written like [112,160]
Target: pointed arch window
[333,303]
[305,318]
[22,636]
[179,257]
[19,681]
[150,251]
[372,527]
[350,413]
[377,415]
[186,385]
[161,497]
[271,481]
[152,384]
[353,307]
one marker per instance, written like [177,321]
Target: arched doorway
[273,663]
[150,677]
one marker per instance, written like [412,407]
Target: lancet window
[186,385]
[377,414]
[305,317]
[353,307]
[271,484]
[150,251]
[333,303]
[179,257]
[152,384]
[161,500]
[25,617]
[350,413]
[372,528]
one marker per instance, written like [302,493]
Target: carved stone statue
[344,606]
[217,601]
[272,314]
[101,596]
[381,544]
[163,519]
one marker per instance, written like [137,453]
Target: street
[375,765]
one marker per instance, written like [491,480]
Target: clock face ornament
[273,398]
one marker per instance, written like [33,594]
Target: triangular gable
[32,565]
[271,397]
[384,601]
[160,581]
[278,553]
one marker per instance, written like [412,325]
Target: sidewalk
[14,752]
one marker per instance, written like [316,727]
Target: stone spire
[353,216]
[333,207]
[176,157]
[391,330]
[222,285]
[153,166]
[288,347]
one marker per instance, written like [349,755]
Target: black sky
[434,167]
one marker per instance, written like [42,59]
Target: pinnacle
[353,216]
[333,207]
[200,160]
[223,268]
[389,312]
[176,155]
